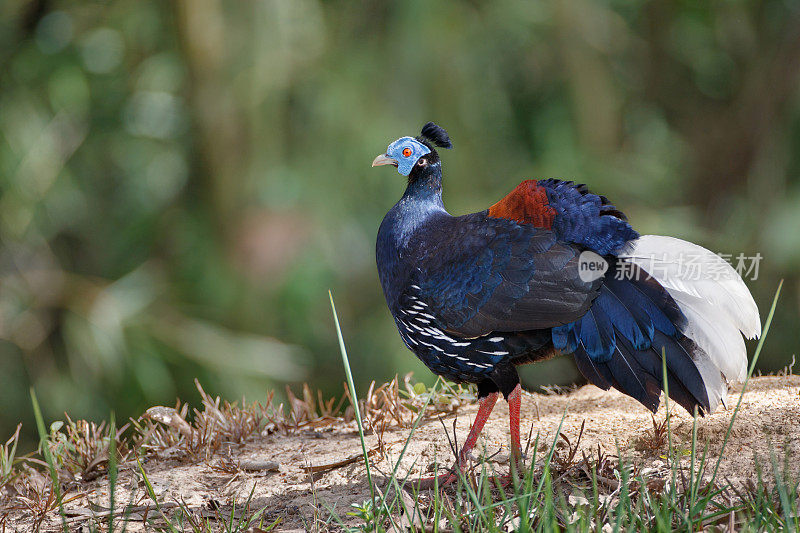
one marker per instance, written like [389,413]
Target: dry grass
[656,440]
[169,432]
[220,451]
[566,485]
[80,449]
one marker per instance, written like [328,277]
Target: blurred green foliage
[183,181]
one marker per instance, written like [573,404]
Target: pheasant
[554,269]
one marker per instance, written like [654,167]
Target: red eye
[406,152]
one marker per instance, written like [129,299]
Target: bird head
[407,152]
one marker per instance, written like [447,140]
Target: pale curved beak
[383,159]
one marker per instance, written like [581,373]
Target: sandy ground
[768,421]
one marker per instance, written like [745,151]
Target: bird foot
[428,483]
[505,481]
[518,467]
[516,475]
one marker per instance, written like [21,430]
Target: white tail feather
[714,335]
[691,269]
[714,299]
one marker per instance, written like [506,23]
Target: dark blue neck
[421,202]
[422,199]
[425,185]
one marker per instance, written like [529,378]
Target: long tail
[714,299]
[678,299]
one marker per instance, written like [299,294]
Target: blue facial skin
[406,163]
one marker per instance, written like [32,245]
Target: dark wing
[478,274]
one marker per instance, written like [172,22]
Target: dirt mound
[299,477]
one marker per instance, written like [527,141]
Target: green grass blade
[48,457]
[694,481]
[393,480]
[7,458]
[353,398]
[152,494]
[665,380]
[756,354]
[112,470]
[783,495]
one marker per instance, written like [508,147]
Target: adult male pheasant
[473,296]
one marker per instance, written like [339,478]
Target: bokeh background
[183,181]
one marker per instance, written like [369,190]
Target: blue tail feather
[590,370]
[619,343]
[623,319]
[629,297]
[632,377]
[596,333]
[636,308]
[651,363]
[639,374]
[680,363]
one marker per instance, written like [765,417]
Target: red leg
[484,410]
[514,402]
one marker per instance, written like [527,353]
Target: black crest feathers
[436,135]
